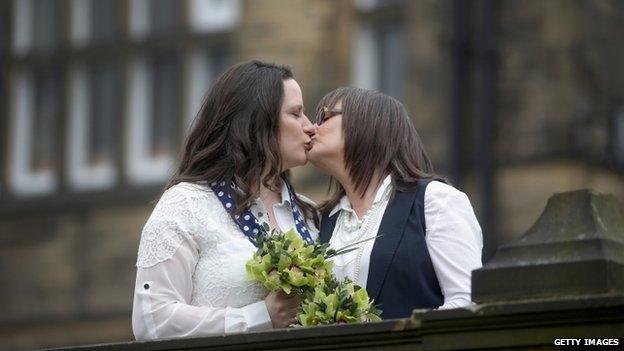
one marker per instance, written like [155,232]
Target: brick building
[514,101]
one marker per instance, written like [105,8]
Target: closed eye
[325,118]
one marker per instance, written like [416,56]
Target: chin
[300,161]
[311,155]
[303,161]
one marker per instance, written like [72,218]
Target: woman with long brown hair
[232,183]
[383,184]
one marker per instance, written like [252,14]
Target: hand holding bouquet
[284,261]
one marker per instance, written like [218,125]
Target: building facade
[514,101]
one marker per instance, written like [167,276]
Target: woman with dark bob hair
[383,183]
[232,184]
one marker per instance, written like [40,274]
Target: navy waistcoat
[401,277]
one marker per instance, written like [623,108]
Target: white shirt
[453,238]
[191,278]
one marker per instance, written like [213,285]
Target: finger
[294,295]
[295,311]
[294,300]
[293,304]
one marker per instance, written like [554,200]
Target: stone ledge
[389,335]
[519,324]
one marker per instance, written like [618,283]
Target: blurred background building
[514,100]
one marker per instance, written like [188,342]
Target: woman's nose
[308,127]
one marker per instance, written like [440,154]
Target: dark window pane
[46,26]
[221,61]
[369,5]
[165,16]
[166,71]
[381,3]
[391,59]
[617,134]
[4,27]
[105,21]
[47,105]
[105,109]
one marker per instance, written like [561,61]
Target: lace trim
[172,221]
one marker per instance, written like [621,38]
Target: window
[165,16]
[36,26]
[35,112]
[213,15]
[378,58]
[152,110]
[105,21]
[46,25]
[121,107]
[378,53]
[369,5]
[163,106]
[95,22]
[22,19]
[35,102]
[154,18]
[617,137]
[92,126]
[202,66]
[159,114]
[94,102]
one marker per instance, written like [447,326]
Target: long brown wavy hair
[235,136]
[379,138]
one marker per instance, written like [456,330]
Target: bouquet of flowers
[334,302]
[284,261]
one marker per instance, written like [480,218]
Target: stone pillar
[576,248]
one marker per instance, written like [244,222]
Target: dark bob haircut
[380,138]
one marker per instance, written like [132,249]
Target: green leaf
[283,263]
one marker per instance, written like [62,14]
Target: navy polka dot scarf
[248,223]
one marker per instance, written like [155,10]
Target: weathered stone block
[575,248]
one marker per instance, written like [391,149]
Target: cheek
[329,142]
[291,131]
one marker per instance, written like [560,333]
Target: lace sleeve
[171,223]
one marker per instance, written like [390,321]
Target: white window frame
[23,180]
[81,173]
[141,166]
[208,16]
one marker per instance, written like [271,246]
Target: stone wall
[559,83]
[68,276]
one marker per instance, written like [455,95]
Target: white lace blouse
[191,278]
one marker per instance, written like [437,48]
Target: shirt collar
[285,195]
[345,204]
